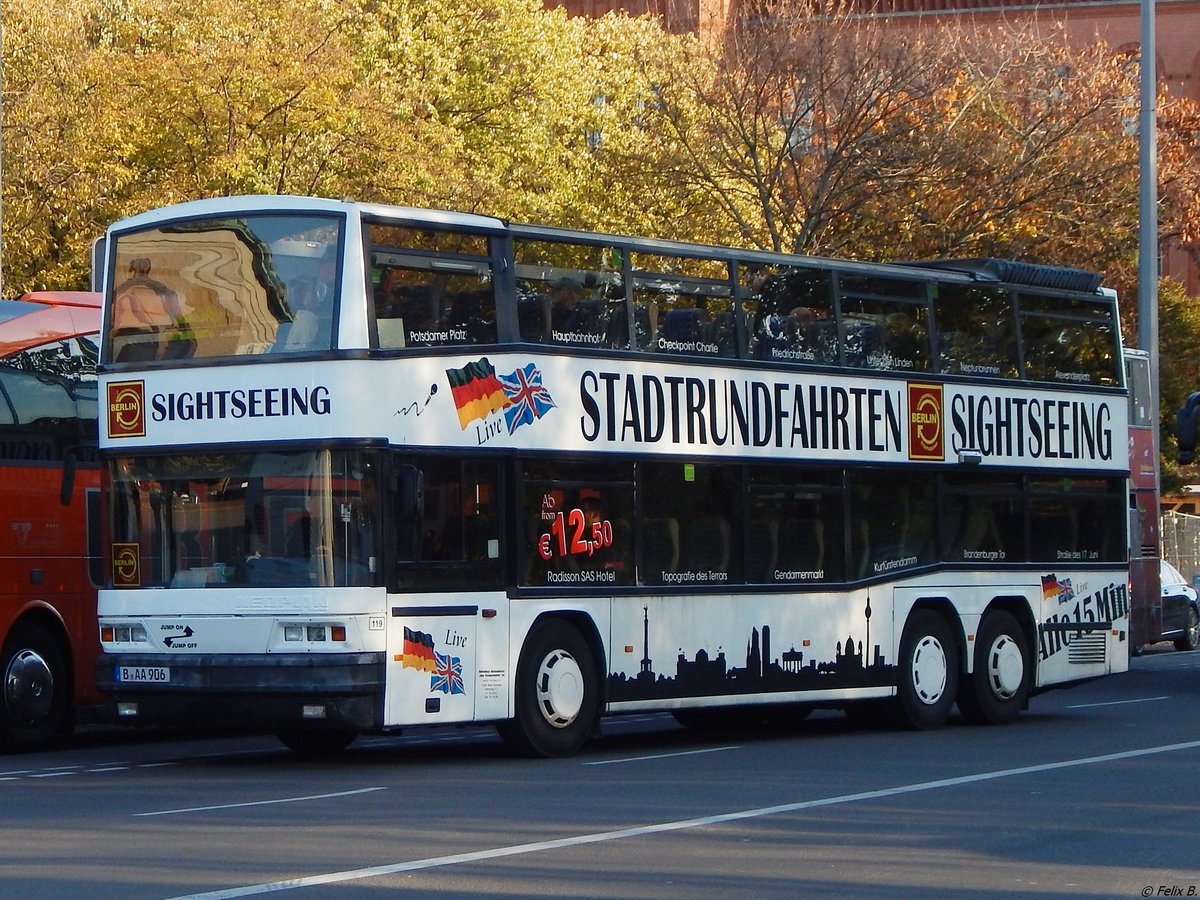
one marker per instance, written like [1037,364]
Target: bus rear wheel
[928,672]
[557,693]
[996,691]
[34,695]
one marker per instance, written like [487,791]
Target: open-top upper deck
[276,276]
[636,344]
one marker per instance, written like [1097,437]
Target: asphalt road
[1091,793]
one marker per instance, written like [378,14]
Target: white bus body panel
[447,662]
[247,621]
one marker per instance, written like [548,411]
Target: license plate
[144,674]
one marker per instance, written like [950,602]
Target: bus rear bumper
[260,692]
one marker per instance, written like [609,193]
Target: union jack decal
[528,399]
[447,676]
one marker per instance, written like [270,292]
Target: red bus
[49,514]
[1145,540]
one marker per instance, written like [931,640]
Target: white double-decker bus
[372,467]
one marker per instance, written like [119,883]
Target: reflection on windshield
[263,519]
[225,287]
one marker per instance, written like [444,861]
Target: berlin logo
[126,569]
[126,409]
[925,422]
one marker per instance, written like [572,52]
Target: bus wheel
[316,742]
[928,672]
[1190,639]
[34,705]
[998,688]
[557,693]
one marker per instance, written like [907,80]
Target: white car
[1180,613]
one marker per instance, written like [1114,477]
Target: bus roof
[41,317]
[217,206]
[1012,272]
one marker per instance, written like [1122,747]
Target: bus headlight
[314,633]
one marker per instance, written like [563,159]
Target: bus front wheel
[557,693]
[34,696]
[928,672]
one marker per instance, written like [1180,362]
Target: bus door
[432,661]
[447,660]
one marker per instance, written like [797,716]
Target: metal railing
[1181,542]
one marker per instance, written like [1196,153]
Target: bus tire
[928,672]
[557,693]
[35,691]
[316,742]
[998,688]
[1190,639]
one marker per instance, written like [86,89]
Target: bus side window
[408,497]
[693,523]
[660,549]
[892,522]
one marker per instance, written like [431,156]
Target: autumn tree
[1179,373]
[816,130]
[55,184]
[498,106]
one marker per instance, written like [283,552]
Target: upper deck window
[431,288]
[791,314]
[885,323]
[1068,340]
[571,294]
[224,287]
[684,305]
[975,330]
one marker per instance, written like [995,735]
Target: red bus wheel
[34,694]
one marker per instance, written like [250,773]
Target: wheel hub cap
[929,670]
[560,688]
[28,687]
[1006,667]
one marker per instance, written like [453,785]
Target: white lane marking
[1116,702]
[171,812]
[600,837]
[629,759]
[54,771]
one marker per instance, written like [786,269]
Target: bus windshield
[267,519]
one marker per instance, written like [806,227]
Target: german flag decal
[476,390]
